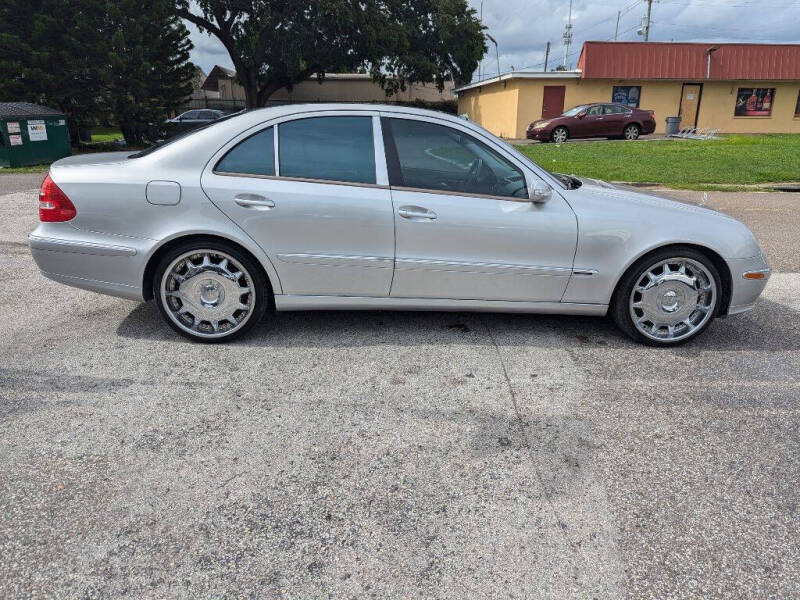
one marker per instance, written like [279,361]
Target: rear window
[183,135]
[253,156]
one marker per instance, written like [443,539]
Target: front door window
[428,156]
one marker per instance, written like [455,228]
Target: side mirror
[581,114]
[539,192]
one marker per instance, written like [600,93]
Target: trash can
[673,125]
[31,134]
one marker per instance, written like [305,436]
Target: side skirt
[284,302]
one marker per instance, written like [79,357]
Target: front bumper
[92,261]
[538,134]
[744,291]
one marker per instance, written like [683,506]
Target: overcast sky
[523,27]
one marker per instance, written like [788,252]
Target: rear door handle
[416,213]
[254,201]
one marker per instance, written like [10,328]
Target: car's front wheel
[667,298]
[559,135]
[209,291]
[631,132]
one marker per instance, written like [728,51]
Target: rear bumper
[98,262]
[745,292]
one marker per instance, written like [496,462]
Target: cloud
[522,28]
[208,50]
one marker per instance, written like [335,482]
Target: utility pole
[647,21]
[496,52]
[566,39]
[480,64]
[616,29]
[546,56]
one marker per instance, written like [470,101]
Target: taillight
[54,206]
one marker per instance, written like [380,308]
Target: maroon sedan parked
[594,120]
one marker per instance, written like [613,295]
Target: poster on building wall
[13,127]
[37,131]
[15,140]
[627,95]
[754,102]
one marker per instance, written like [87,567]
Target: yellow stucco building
[736,88]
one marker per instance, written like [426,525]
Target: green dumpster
[31,134]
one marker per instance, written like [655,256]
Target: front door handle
[416,213]
[254,201]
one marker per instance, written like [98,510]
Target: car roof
[183,152]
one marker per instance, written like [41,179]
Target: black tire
[634,129]
[620,309]
[260,302]
[553,134]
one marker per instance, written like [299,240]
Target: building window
[797,106]
[627,94]
[754,102]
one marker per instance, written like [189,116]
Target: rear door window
[253,156]
[337,148]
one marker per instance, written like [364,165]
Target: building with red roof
[736,88]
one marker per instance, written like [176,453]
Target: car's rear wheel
[209,291]
[667,298]
[631,132]
[559,135]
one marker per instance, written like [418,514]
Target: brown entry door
[553,101]
[690,103]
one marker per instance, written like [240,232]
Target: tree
[54,52]
[94,59]
[278,43]
[149,74]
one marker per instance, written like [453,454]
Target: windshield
[180,136]
[574,111]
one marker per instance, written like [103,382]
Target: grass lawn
[734,161]
[18,170]
[106,134]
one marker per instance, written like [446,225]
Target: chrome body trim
[301,179]
[78,246]
[479,267]
[333,260]
[291,302]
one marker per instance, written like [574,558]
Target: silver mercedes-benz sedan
[379,207]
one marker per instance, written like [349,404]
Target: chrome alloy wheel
[672,299]
[560,135]
[631,132]
[207,293]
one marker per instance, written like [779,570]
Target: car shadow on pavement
[771,327]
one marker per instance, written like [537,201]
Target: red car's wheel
[559,135]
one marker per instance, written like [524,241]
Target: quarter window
[435,157]
[253,156]
[328,148]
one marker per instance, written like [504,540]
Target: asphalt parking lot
[396,455]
